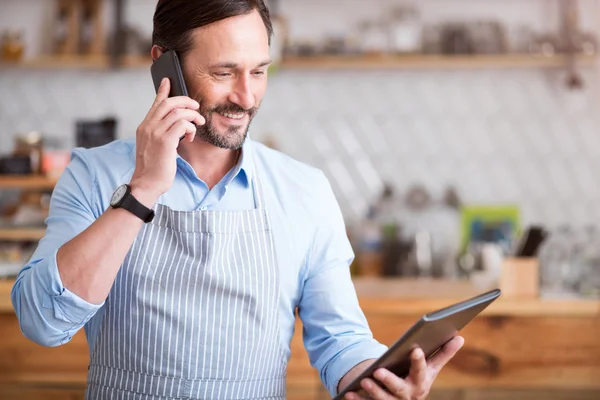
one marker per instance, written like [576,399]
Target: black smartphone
[168,66]
[429,333]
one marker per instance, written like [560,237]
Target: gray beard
[233,139]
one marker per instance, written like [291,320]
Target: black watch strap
[132,205]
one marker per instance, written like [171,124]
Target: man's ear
[155,52]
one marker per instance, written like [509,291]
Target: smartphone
[430,333]
[168,66]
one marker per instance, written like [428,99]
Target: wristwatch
[122,198]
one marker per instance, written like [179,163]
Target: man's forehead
[240,28]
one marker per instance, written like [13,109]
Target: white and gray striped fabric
[193,313]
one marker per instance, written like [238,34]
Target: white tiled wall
[498,135]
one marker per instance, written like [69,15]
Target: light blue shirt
[313,250]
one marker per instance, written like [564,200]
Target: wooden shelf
[404,296]
[21,234]
[430,61]
[77,62]
[60,62]
[407,62]
[26,182]
[136,62]
[418,61]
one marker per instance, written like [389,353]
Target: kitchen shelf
[407,62]
[77,62]
[60,62]
[26,182]
[431,61]
[22,234]
[136,61]
[335,62]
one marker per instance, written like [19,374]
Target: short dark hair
[175,19]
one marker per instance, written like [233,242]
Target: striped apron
[193,312]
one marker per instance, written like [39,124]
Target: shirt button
[203,208]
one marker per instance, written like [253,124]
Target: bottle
[556,270]
[589,261]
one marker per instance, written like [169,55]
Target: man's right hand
[157,139]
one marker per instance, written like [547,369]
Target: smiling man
[185,261]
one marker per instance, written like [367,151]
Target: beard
[234,136]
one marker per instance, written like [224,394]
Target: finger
[181,128]
[355,396]
[375,391]
[168,105]
[446,353]
[180,114]
[418,367]
[163,91]
[396,385]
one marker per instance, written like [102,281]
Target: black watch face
[118,195]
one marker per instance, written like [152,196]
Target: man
[187,280]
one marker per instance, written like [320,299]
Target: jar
[31,144]
[374,39]
[13,46]
[405,30]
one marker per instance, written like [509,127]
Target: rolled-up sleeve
[336,333]
[48,313]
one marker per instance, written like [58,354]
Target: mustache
[233,109]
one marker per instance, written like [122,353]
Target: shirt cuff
[348,359]
[67,306]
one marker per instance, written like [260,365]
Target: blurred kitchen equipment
[519,39]
[66,28]
[543,45]
[95,133]
[79,27]
[279,40]
[369,255]
[92,37]
[451,198]
[530,242]
[13,45]
[432,228]
[135,43]
[589,260]
[520,277]
[405,30]
[374,38]
[570,35]
[15,165]
[423,256]
[490,267]
[488,37]
[456,39]
[418,198]
[559,275]
[431,39]
[30,144]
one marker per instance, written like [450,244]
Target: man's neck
[210,163]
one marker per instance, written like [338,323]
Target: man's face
[226,72]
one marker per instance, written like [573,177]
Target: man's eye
[259,72]
[223,74]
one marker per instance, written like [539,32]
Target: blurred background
[461,138]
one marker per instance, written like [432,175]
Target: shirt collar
[246,163]
[244,167]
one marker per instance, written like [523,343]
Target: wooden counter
[515,346]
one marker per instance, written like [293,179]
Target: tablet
[429,333]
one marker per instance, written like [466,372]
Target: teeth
[233,116]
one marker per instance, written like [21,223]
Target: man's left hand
[416,385]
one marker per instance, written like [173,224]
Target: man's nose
[242,94]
